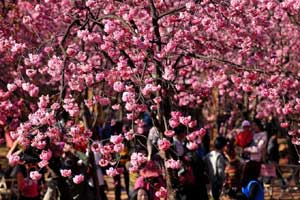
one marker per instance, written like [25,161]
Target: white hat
[245,123]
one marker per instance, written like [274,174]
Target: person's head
[180,132]
[139,194]
[246,125]
[257,126]
[220,142]
[251,171]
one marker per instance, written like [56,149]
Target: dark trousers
[216,189]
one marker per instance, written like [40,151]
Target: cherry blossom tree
[75,58]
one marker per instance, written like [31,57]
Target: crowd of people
[231,168]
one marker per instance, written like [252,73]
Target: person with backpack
[215,164]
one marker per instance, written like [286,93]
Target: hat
[150,170]
[220,142]
[245,123]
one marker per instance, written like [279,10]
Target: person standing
[215,164]
[252,188]
[232,182]
[258,148]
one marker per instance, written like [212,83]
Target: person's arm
[149,147]
[258,147]
[151,137]
[253,191]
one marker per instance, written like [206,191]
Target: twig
[111,16]
[171,12]
[210,58]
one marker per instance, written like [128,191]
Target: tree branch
[111,16]
[171,12]
[155,19]
[61,45]
[218,60]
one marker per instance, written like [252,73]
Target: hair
[220,142]
[134,195]
[181,129]
[251,171]
[259,124]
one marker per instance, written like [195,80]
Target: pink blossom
[71,107]
[163,144]
[43,163]
[11,87]
[65,172]
[103,162]
[136,159]
[284,125]
[169,133]
[201,132]
[162,193]
[43,101]
[192,146]
[292,133]
[118,147]
[192,124]
[35,175]
[106,150]
[55,106]
[31,73]
[129,135]
[91,3]
[78,179]
[173,123]
[119,86]
[133,169]
[157,100]
[95,147]
[176,115]
[115,106]
[191,136]
[99,77]
[130,106]
[112,172]
[169,74]
[104,101]
[185,120]
[173,164]
[14,159]
[296,141]
[116,139]
[46,155]
[128,96]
